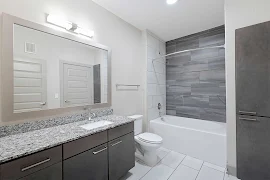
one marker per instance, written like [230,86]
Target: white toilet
[146,143]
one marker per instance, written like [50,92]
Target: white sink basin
[96,125]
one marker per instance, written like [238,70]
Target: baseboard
[231,171]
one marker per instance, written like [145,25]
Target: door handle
[43,103]
[248,119]
[35,165]
[96,152]
[248,113]
[114,144]
[67,101]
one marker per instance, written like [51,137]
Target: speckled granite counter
[19,145]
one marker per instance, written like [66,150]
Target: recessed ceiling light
[171,1]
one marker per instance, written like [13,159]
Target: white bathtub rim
[193,129]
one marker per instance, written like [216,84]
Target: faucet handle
[92,115]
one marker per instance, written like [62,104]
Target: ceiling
[168,21]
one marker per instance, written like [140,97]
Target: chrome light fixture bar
[171,1]
[84,32]
[59,21]
[72,27]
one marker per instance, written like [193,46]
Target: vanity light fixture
[71,27]
[84,32]
[58,21]
[171,1]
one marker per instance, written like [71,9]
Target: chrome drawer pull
[35,165]
[116,143]
[96,152]
[247,113]
[248,119]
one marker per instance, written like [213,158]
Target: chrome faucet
[92,115]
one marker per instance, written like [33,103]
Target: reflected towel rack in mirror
[129,85]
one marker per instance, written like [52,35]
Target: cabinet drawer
[53,172]
[89,165]
[30,164]
[78,146]
[120,131]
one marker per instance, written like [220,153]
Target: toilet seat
[150,138]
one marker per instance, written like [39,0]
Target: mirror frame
[6,82]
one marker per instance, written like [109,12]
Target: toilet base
[150,158]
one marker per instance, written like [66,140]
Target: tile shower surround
[196,80]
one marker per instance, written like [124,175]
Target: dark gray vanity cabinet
[89,165]
[53,172]
[121,156]
[102,156]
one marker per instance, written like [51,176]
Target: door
[77,88]
[30,85]
[97,84]
[89,165]
[253,147]
[121,156]
[53,172]
[253,70]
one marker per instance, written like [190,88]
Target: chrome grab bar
[35,165]
[96,152]
[116,143]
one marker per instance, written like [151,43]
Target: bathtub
[205,140]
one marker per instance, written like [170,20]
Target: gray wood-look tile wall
[196,80]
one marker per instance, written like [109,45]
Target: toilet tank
[138,123]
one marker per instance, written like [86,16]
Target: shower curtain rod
[190,50]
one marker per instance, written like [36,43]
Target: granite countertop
[15,146]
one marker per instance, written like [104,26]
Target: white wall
[125,40]
[238,14]
[156,76]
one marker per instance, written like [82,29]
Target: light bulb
[59,21]
[171,1]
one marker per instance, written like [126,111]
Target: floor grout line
[167,151]
[154,166]
[176,168]
[199,172]
[190,167]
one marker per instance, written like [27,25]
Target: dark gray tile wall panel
[196,80]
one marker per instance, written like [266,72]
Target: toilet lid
[150,138]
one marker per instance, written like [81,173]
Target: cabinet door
[89,165]
[253,147]
[121,156]
[253,69]
[53,172]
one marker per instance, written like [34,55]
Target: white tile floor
[176,166]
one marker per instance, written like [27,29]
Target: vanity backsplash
[8,130]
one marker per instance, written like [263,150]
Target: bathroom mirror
[47,72]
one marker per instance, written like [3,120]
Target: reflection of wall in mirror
[102,59]
[52,49]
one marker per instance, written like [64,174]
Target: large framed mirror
[47,72]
